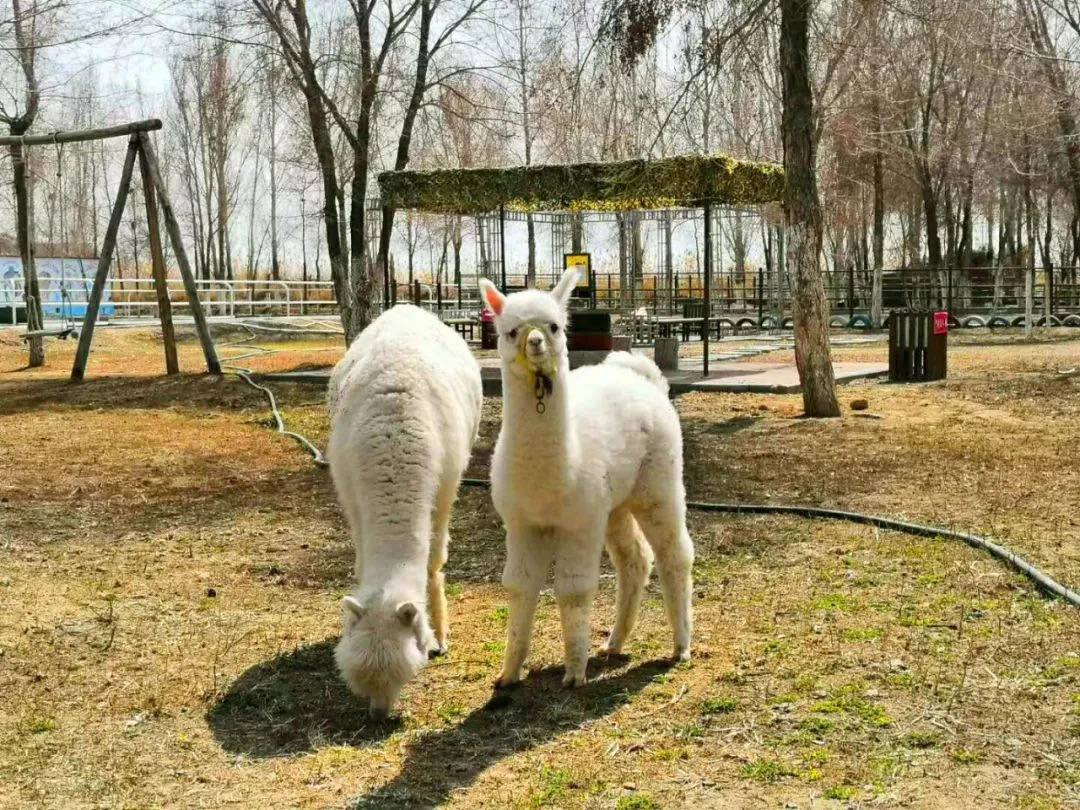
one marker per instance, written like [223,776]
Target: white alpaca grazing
[584,458]
[405,408]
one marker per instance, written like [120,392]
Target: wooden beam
[173,227]
[158,264]
[82,134]
[86,335]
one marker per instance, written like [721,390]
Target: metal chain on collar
[543,387]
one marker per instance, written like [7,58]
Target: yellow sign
[581,261]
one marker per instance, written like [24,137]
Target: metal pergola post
[502,245]
[708,290]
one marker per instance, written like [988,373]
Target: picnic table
[669,325]
[649,327]
[464,326]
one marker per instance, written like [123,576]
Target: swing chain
[65,308]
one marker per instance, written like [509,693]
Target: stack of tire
[589,337]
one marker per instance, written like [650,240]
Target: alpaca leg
[577,573]
[632,558]
[665,529]
[527,560]
[355,520]
[436,582]
[347,489]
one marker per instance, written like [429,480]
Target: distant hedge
[625,186]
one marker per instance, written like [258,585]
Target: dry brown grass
[834,664]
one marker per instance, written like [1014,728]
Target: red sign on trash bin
[941,323]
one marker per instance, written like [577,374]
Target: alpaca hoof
[437,652]
[612,652]
[611,648]
[506,680]
[573,681]
[682,655]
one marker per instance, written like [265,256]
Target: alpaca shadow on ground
[293,703]
[439,763]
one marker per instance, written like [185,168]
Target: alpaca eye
[512,334]
[554,328]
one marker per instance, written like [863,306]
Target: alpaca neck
[544,441]
[396,549]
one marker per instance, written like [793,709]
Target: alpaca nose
[535,340]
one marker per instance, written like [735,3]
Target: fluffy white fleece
[584,458]
[405,408]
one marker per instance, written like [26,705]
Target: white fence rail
[136,299]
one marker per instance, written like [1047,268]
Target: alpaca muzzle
[535,357]
[534,352]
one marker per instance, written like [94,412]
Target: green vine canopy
[685,181]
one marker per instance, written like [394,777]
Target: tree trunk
[577,233]
[770,266]
[24,217]
[620,218]
[1047,258]
[530,267]
[1063,96]
[24,26]
[669,263]
[1029,265]
[637,270]
[224,249]
[457,255]
[401,160]
[933,236]
[324,151]
[365,306]
[803,214]
[275,264]
[252,271]
[879,229]
[481,239]
[999,260]
[782,285]
[963,262]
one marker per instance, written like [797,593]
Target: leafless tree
[18,112]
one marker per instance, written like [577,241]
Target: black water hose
[245,375]
[1041,580]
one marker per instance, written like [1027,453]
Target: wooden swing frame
[139,147]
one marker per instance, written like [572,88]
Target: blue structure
[65,287]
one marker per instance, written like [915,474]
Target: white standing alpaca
[583,458]
[405,408]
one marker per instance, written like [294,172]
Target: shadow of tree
[293,703]
[196,391]
[438,763]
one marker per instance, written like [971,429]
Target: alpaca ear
[406,612]
[354,611]
[561,291]
[494,299]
